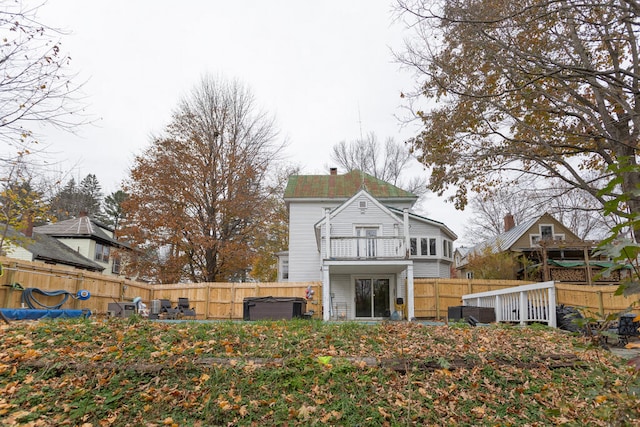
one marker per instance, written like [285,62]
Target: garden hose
[28,298]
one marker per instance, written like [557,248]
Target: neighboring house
[91,239]
[40,247]
[459,257]
[355,234]
[548,250]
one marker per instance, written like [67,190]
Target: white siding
[342,296]
[304,258]
[426,268]
[344,222]
[445,269]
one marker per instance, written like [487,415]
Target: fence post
[10,280]
[233,298]
[436,292]
[600,304]
[207,302]
[498,308]
[552,307]
[79,281]
[523,308]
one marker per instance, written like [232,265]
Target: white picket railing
[367,247]
[527,303]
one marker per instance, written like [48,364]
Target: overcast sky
[324,69]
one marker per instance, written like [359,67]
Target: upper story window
[423,246]
[546,233]
[116,267]
[102,252]
[447,249]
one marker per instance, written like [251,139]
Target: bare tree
[572,207]
[387,162]
[35,83]
[196,196]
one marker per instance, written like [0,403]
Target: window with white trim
[447,248]
[423,246]
[547,232]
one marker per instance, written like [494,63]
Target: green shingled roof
[341,187]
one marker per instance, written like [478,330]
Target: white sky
[323,68]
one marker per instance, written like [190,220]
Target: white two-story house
[356,234]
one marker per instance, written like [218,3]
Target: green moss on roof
[341,186]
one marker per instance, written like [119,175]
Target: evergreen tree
[91,195]
[73,199]
[112,209]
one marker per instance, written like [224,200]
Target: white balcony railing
[528,303]
[367,247]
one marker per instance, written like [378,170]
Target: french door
[372,297]
[367,242]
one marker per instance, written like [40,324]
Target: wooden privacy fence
[225,300]
[210,300]
[434,296]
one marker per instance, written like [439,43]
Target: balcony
[366,248]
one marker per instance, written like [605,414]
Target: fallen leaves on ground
[117,372]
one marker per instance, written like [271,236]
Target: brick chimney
[333,171]
[509,222]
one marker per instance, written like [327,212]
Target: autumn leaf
[325,360]
[305,411]
[600,399]
[384,413]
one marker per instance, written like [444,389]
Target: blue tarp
[33,314]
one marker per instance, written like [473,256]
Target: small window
[546,232]
[285,269]
[115,267]
[432,247]
[413,242]
[424,246]
[446,248]
[102,253]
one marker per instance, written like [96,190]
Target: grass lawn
[133,372]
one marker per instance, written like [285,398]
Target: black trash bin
[273,308]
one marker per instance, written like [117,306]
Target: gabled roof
[504,241]
[49,249]
[80,227]
[342,187]
[372,199]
